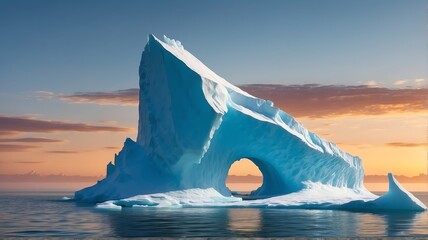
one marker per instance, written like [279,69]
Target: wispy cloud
[62,152]
[420,82]
[8,133]
[406,144]
[127,97]
[371,84]
[356,145]
[45,95]
[28,162]
[114,148]
[16,148]
[25,124]
[400,82]
[31,140]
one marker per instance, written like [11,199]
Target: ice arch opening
[244,177]
[272,183]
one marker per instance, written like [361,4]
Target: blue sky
[72,46]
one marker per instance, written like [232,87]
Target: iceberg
[397,198]
[193,125]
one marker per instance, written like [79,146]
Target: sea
[47,214]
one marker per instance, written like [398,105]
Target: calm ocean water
[43,215]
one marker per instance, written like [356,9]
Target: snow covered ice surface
[315,196]
[184,198]
[193,125]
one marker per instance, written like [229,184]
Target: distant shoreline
[421,178]
[34,177]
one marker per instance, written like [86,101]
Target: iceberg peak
[398,198]
[393,185]
[173,43]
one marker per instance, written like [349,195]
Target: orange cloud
[16,148]
[32,140]
[8,133]
[113,148]
[405,144]
[24,124]
[318,101]
[28,162]
[62,152]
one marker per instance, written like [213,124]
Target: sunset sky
[354,72]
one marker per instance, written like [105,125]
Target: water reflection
[244,220]
[301,223]
[399,223]
[254,222]
[186,222]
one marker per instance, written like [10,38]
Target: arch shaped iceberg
[194,124]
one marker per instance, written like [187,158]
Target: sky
[354,72]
